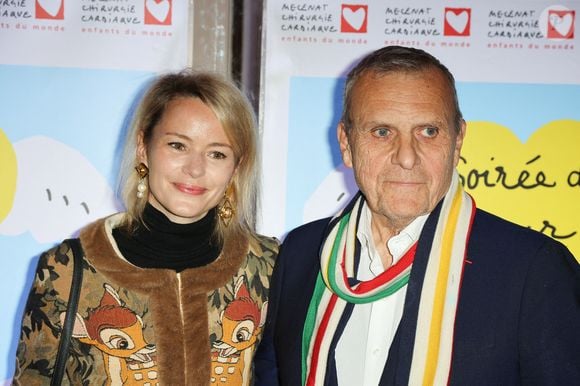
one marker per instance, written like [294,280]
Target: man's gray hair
[392,59]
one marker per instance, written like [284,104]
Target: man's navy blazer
[517,322]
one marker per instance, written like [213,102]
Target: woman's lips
[191,189]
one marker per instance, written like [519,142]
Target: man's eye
[429,132]
[177,145]
[381,132]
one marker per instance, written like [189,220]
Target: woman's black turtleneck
[164,244]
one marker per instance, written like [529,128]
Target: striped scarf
[431,357]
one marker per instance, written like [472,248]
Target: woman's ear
[141,149]
[240,161]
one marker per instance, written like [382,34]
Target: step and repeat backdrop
[517,66]
[71,72]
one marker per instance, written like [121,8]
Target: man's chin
[401,217]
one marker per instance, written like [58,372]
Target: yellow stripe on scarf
[441,291]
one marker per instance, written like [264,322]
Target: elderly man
[411,284]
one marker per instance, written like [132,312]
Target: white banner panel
[516,64]
[71,72]
[129,34]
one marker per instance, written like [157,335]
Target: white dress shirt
[362,350]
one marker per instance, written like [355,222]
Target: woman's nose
[194,165]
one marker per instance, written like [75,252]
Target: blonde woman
[175,289]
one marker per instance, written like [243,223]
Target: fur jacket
[139,326]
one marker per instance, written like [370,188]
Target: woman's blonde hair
[236,117]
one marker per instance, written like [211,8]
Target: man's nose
[406,154]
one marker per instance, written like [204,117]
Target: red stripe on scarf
[311,381]
[384,277]
[390,273]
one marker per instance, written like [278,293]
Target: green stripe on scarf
[310,322]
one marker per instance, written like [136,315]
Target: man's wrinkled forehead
[375,92]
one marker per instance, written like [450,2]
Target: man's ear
[459,142]
[344,145]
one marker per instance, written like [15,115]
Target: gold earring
[142,172]
[226,210]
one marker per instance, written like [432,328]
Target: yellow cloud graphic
[8,170]
[535,184]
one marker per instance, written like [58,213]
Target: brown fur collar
[178,303]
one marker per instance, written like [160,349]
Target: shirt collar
[397,244]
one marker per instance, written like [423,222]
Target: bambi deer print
[118,333]
[241,322]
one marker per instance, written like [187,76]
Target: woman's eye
[429,132]
[217,155]
[381,132]
[177,145]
